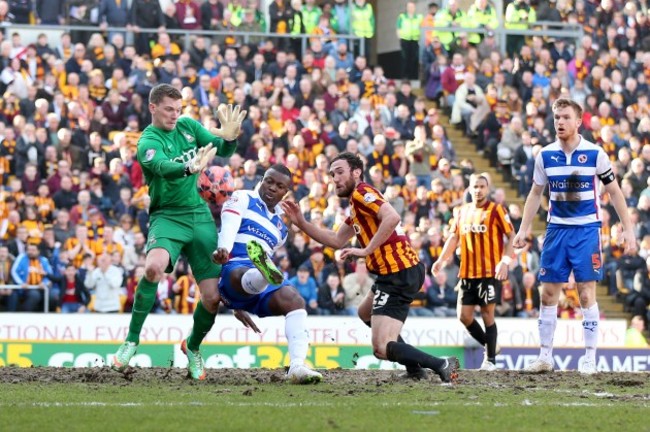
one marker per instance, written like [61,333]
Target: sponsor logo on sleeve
[232,201]
[149,154]
[369,197]
[188,137]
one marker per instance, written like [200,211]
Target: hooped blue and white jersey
[257,223]
[573,181]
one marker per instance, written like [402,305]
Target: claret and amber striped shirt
[396,253]
[481,232]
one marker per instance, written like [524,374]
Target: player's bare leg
[365,313]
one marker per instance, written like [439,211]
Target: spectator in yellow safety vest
[451,16]
[408,32]
[519,15]
[481,15]
[311,14]
[362,24]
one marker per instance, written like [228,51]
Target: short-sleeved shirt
[481,232]
[395,253]
[573,183]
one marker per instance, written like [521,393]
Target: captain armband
[607,177]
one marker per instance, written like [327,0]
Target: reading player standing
[172,150]
[388,254]
[571,166]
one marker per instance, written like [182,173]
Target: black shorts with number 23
[395,292]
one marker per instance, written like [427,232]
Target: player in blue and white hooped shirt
[252,229]
[573,169]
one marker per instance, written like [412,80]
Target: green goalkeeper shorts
[192,233]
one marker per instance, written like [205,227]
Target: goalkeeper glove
[231,120]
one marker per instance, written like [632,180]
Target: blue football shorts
[567,249]
[257,304]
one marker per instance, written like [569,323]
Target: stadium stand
[73,108]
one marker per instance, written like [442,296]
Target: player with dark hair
[480,227]
[172,151]
[388,254]
[571,166]
[253,229]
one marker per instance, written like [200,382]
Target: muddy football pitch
[161,399]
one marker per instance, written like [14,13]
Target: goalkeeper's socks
[203,322]
[145,297]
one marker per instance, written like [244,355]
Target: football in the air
[215,185]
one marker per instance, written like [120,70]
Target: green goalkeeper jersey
[163,156]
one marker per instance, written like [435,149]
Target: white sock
[590,318]
[253,282]
[295,328]
[547,322]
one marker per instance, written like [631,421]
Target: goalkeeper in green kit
[172,151]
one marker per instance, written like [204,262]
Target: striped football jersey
[396,253]
[257,223]
[573,182]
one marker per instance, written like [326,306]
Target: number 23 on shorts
[380,299]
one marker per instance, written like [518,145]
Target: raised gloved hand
[230,119]
[203,157]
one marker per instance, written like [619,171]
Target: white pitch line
[162,404]
[94,404]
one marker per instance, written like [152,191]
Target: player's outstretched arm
[618,200]
[231,219]
[334,239]
[530,210]
[152,156]
[503,266]
[388,221]
[448,248]
[246,319]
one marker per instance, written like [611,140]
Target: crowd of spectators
[502,102]
[73,208]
